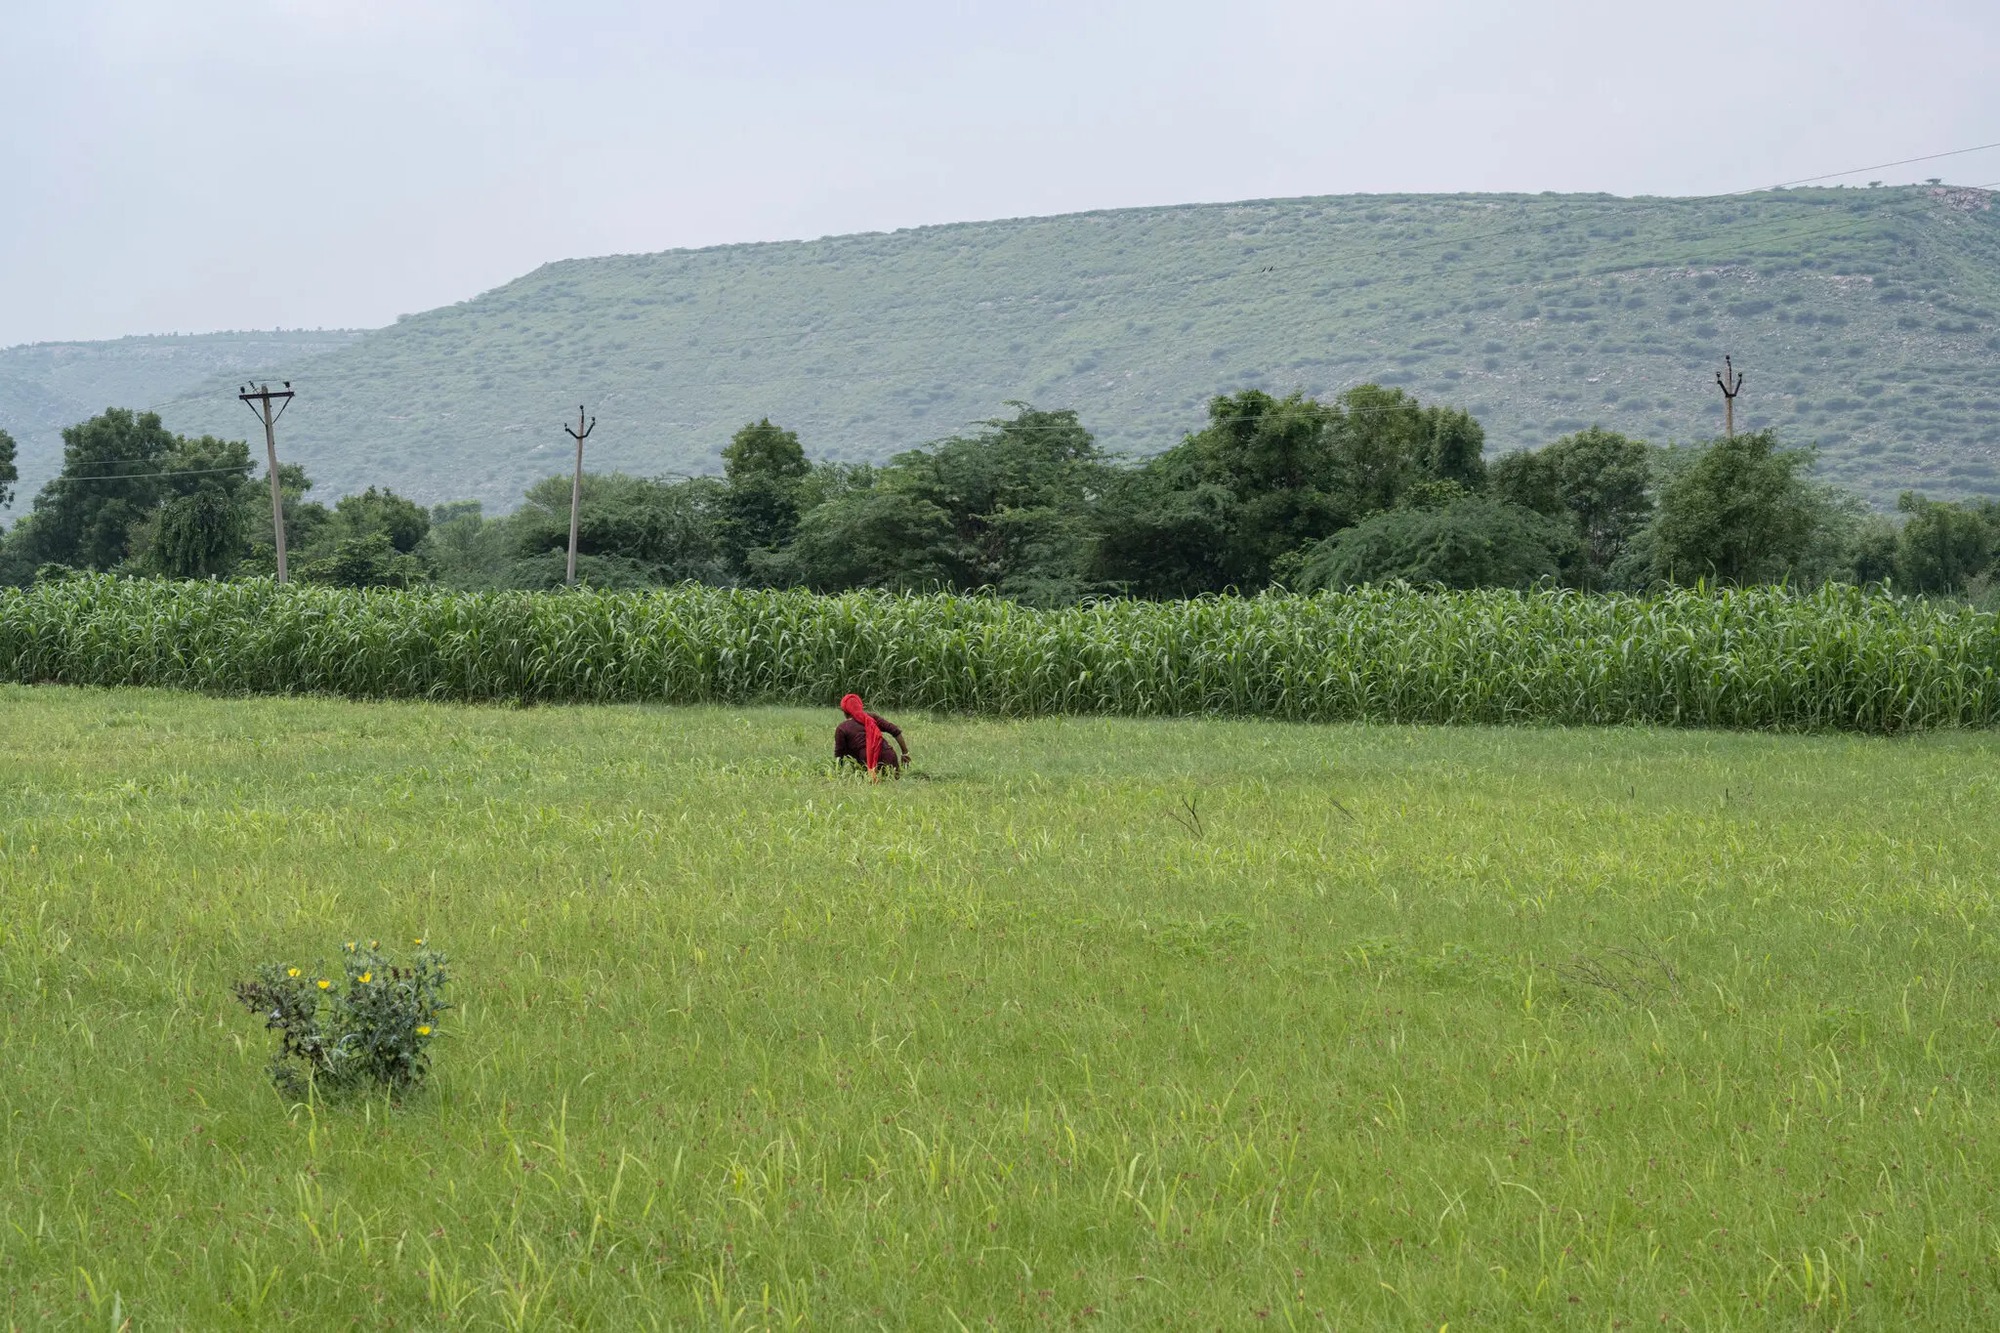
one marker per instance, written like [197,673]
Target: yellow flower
[373,943]
[367,977]
[418,942]
[324,983]
[423,1029]
[291,971]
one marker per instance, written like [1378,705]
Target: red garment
[851,705]
[850,741]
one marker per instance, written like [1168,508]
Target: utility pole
[580,434]
[1731,381]
[259,400]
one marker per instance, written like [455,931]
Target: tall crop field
[1762,658]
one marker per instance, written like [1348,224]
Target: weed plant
[373,1029]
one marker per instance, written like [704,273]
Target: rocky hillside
[1865,321]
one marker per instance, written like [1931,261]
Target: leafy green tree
[337,545]
[1834,548]
[1009,508]
[19,558]
[1452,448]
[402,521]
[631,532]
[1219,508]
[465,549]
[1598,479]
[198,529]
[1274,457]
[109,481]
[1384,442]
[1474,541]
[196,536]
[1019,496]
[761,449]
[118,469]
[766,469]
[1269,477]
[362,560]
[880,537]
[1873,556]
[1529,478]
[10,472]
[1739,512]
[1163,530]
[308,524]
[1944,547]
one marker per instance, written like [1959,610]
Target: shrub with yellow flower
[375,1032]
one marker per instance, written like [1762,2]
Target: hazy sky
[191,165]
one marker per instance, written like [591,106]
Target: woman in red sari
[860,738]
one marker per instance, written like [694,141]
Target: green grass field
[1400,1028]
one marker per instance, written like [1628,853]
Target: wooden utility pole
[580,434]
[260,400]
[1731,381]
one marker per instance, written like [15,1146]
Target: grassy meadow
[1104,1022]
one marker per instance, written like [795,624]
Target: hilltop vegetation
[1865,319]
[47,386]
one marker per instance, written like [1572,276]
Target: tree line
[1368,487]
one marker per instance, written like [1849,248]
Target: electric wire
[1883,166]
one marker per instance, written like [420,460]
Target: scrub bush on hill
[1836,658]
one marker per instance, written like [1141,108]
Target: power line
[137,476]
[1883,166]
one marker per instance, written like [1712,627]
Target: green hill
[1864,319]
[46,386]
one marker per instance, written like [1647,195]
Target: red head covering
[851,705]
